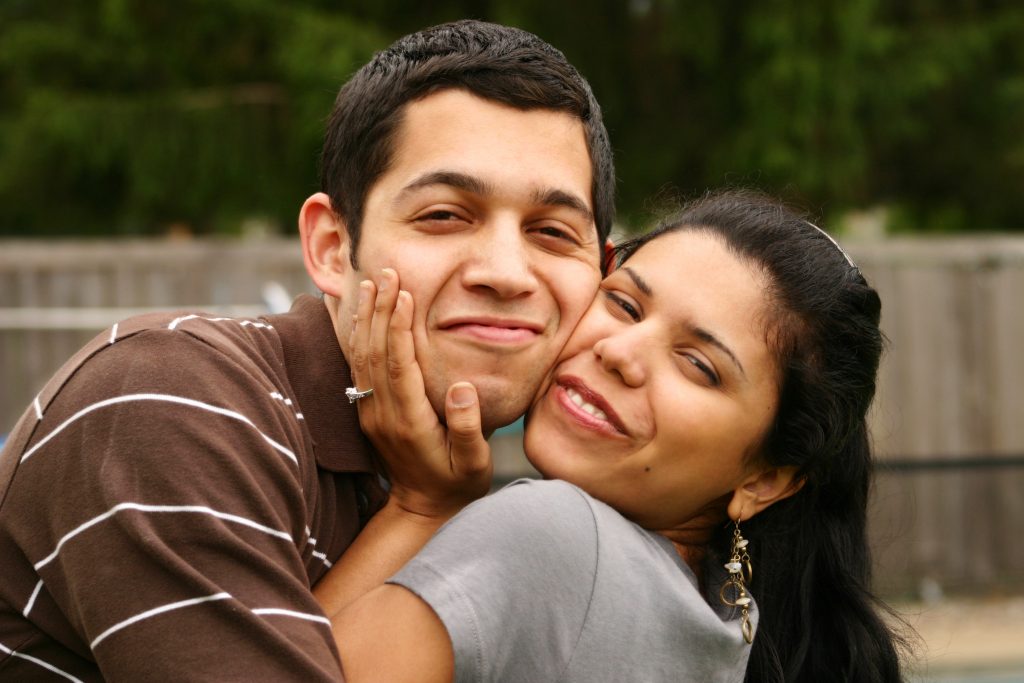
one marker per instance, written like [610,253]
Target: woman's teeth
[577,398]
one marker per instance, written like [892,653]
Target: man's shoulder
[175,348]
[177,333]
[189,354]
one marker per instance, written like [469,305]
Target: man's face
[485,213]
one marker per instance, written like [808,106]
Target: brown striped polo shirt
[169,498]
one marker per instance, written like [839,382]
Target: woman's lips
[587,407]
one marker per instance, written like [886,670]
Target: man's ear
[325,244]
[761,489]
[608,262]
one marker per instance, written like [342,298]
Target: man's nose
[502,261]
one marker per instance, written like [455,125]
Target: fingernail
[364,292]
[463,396]
[398,303]
[385,278]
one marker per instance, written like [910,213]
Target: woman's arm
[385,632]
[500,593]
[390,634]
[434,471]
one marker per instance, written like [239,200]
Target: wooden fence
[949,420]
[948,424]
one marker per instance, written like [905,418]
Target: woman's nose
[621,354]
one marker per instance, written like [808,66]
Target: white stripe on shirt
[323,558]
[292,613]
[244,323]
[200,509]
[177,321]
[32,600]
[277,396]
[36,660]
[169,398]
[316,553]
[142,616]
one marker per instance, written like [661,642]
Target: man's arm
[162,507]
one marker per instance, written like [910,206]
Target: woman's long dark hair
[818,620]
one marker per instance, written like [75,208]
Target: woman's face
[665,388]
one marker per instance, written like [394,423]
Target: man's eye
[556,233]
[439,216]
[626,307]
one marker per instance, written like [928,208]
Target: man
[174,492]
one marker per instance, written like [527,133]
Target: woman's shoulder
[560,513]
[529,492]
[554,509]
[550,502]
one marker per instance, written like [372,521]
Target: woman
[708,416]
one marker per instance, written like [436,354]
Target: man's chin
[502,401]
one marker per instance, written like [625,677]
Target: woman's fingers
[380,324]
[404,373]
[431,468]
[470,454]
[358,341]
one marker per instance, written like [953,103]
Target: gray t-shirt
[541,582]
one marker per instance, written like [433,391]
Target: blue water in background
[514,428]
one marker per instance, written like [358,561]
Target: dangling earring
[734,591]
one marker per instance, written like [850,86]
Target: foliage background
[133,117]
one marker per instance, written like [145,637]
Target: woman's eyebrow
[698,332]
[640,283]
[706,336]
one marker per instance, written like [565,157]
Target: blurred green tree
[840,105]
[125,116]
[121,116]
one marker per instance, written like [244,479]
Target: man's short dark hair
[498,63]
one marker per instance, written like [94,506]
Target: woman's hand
[434,471]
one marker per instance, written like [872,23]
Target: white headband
[833,241]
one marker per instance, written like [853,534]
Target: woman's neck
[692,538]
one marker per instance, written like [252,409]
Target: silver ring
[354,394]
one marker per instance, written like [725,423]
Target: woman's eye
[624,305]
[702,367]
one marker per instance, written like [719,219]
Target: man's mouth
[494,330]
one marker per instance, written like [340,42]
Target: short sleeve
[171,537]
[512,578]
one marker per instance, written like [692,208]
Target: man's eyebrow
[553,197]
[474,185]
[460,181]
[698,332]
